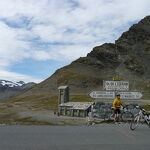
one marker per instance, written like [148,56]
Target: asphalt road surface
[97,137]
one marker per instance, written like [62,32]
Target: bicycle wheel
[147,120]
[148,123]
[127,116]
[135,122]
[111,116]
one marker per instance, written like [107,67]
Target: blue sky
[38,37]
[40,69]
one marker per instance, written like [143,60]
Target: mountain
[9,88]
[128,58]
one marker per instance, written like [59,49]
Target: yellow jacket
[117,103]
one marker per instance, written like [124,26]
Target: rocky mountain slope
[128,58]
[9,88]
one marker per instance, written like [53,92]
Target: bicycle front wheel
[135,122]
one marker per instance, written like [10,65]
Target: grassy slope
[35,105]
[146,107]
[46,102]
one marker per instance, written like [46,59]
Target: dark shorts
[117,111]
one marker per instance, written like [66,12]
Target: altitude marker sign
[116,85]
[102,94]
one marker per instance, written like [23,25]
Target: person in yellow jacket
[117,104]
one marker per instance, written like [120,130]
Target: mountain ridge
[9,89]
[127,58]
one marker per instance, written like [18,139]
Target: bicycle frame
[144,116]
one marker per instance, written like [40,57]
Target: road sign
[116,85]
[111,95]
[103,94]
[130,95]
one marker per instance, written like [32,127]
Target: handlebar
[138,107]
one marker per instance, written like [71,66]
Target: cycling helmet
[117,94]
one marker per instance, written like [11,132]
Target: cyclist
[117,104]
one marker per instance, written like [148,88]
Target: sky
[37,37]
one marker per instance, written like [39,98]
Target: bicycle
[142,114]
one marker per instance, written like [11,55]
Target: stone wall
[103,110]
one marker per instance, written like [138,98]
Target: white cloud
[12,76]
[42,55]
[62,29]
[11,49]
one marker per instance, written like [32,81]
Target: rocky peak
[105,53]
[135,36]
[145,21]
[21,82]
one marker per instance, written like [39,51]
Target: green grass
[24,99]
[46,102]
[146,107]
[80,98]
[36,102]
[75,76]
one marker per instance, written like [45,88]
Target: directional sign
[116,85]
[111,95]
[102,94]
[130,95]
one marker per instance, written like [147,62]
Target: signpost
[116,85]
[111,95]
[130,95]
[102,94]
[111,87]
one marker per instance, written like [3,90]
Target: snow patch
[11,84]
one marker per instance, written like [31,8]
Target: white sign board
[111,95]
[130,95]
[116,85]
[102,94]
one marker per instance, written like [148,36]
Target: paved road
[98,137]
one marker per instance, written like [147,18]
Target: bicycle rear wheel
[135,122]
[112,116]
